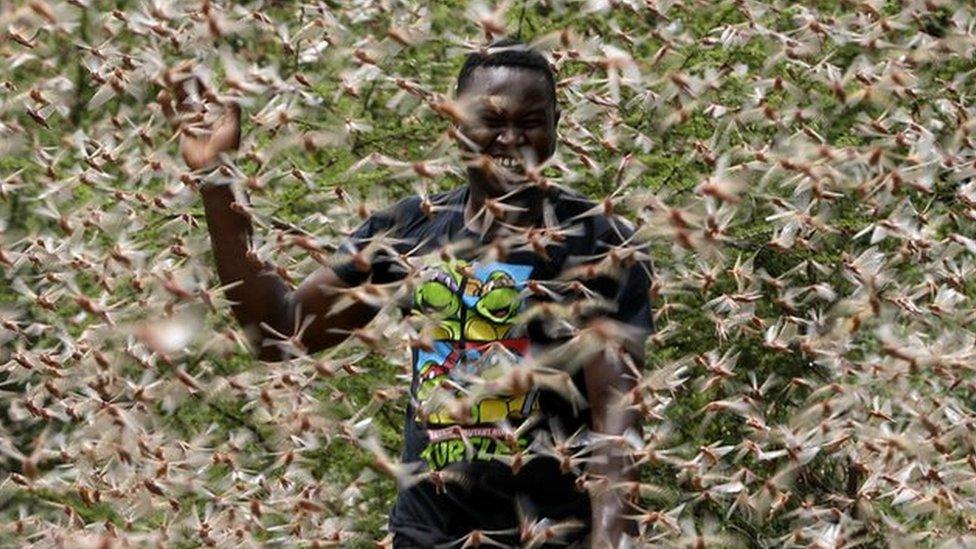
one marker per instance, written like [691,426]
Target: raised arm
[261,299]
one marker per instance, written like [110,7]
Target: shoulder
[613,230]
[453,197]
[403,211]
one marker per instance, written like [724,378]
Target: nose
[510,137]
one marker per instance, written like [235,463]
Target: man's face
[510,117]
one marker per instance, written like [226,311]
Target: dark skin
[508,113]
[509,116]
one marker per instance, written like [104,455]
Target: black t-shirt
[480,308]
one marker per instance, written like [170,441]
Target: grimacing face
[510,116]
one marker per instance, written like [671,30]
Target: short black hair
[507,52]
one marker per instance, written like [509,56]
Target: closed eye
[531,122]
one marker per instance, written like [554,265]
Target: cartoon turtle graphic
[438,297]
[496,308]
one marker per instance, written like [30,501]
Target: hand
[200,149]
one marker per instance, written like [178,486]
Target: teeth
[506,162]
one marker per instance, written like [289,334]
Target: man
[532,317]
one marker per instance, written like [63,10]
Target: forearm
[611,461]
[259,295]
[612,469]
[611,466]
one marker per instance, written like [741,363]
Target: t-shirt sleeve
[377,226]
[631,298]
[626,289]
